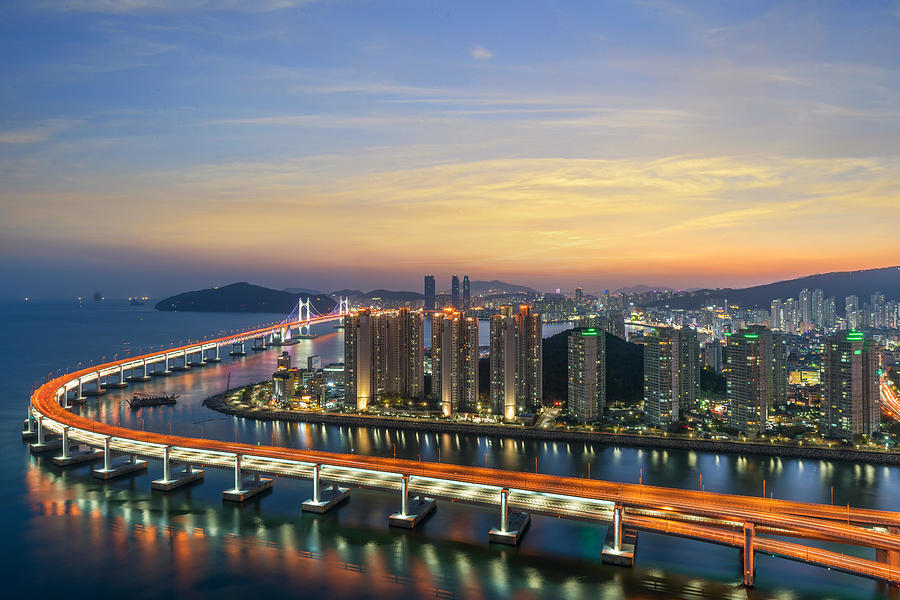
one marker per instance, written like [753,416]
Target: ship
[138,300]
[144,400]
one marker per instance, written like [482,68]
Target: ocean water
[65,532]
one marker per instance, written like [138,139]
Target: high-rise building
[776,318]
[791,316]
[805,307]
[749,378]
[429,292]
[579,294]
[454,292]
[852,402]
[504,361]
[587,374]
[877,310]
[454,361]
[671,374]
[851,311]
[516,362]
[529,371]
[829,313]
[466,294]
[818,309]
[383,356]
[777,363]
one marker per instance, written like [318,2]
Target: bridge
[750,524]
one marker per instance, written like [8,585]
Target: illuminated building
[383,356]
[466,294]
[851,311]
[454,361]
[587,374]
[516,362]
[776,318]
[818,309]
[749,377]
[454,293]
[805,307]
[579,294]
[429,292]
[671,374]
[852,403]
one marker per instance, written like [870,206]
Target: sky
[156,146]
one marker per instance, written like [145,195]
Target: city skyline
[653,142]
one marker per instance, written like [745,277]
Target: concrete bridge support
[171,481]
[109,470]
[259,344]
[512,525]
[748,562]
[29,432]
[237,349]
[323,500]
[889,557]
[200,361]
[620,543]
[71,455]
[144,376]
[412,512]
[44,443]
[244,489]
[214,358]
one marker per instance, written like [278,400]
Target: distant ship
[142,400]
[98,297]
[138,300]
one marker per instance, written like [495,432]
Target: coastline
[218,403]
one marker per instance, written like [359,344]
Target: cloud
[38,133]
[481,53]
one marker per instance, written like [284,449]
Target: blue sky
[151,146]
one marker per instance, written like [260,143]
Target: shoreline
[218,404]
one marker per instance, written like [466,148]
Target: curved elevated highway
[747,523]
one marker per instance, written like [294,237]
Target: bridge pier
[99,391]
[620,543]
[30,432]
[43,443]
[259,344]
[68,457]
[200,362]
[241,351]
[889,557]
[244,489]
[512,525]
[144,376]
[411,511]
[170,482]
[323,500]
[120,383]
[215,357]
[109,470]
[184,362]
[748,562]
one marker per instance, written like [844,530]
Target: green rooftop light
[751,336]
[590,331]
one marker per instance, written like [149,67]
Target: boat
[138,300]
[143,400]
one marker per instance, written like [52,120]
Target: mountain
[641,289]
[388,295]
[242,297]
[490,288]
[304,291]
[839,284]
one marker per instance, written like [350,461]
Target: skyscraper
[748,374]
[579,294]
[805,308]
[466,294]
[852,403]
[776,315]
[671,374]
[587,374]
[383,356]
[818,309]
[454,292]
[454,361]
[829,313]
[529,371]
[429,292]
[504,361]
[851,311]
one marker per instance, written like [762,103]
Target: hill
[838,284]
[242,297]
[624,369]
[490,288]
